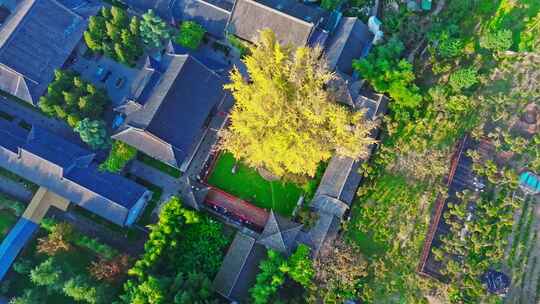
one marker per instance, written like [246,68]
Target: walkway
[167,183]
[226,203]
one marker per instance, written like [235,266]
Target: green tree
[269,279]
[190,35]
[284,120]
[195,287]
[31,296]
[48,273]
[81,289]
[153,30]
[93,132]
[387,73]
[301,266]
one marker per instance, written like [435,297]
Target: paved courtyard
[114,77]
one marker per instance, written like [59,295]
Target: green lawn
[247,184]
[154,163]
[7,220]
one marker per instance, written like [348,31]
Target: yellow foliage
[284,120]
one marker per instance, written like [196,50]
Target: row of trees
[67,270]
[184,250]
[275,269]
[114,34]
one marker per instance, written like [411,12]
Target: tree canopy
[112,33]
[153,30]
[191,34]
[284,120]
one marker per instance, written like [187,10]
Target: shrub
[463,79]
[497,41]
[120,154]
[190,35]
[93,132]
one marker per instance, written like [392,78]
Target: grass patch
[156,164]
[247,184]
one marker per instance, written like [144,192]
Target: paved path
[238,207]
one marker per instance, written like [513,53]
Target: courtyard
[248,185]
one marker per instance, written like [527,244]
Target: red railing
[439,207]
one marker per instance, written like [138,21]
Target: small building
[211,14]
[70,172]
[241,263]
[37,38]
[170,107]
[239,268]
[292,21]
[351,40]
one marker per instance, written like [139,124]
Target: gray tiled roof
[292,21]
[324,232]
[212,16]
[279,233]
[351,40]
[171,119]
[375,104]
[35,40]
[68,170]
[330,205]
[340,179]
[239,268]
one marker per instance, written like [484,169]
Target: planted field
[247,184]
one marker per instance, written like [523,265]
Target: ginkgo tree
[284,121]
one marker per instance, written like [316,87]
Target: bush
[463,79]
[93,132]
[498,41]
[238,44]
[190,35]
[120,154]
[7,203]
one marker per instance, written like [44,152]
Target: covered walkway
[230,205]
